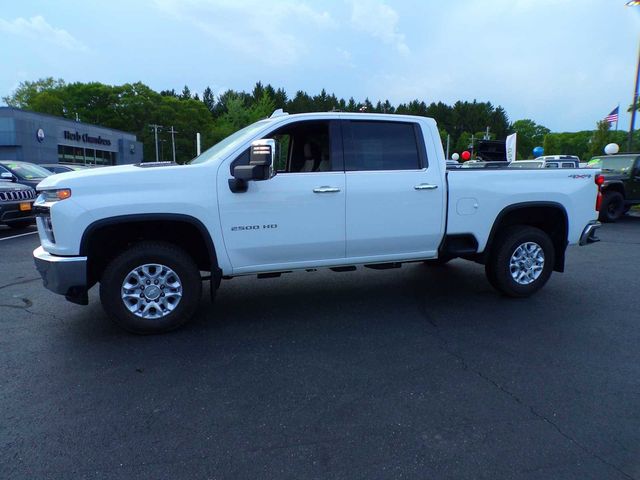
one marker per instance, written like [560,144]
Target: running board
[383,266]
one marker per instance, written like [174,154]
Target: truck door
[635,182]
[297,218]
[395,198]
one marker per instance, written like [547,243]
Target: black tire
[612,207]
[143,253]
[20,224]
[497,266]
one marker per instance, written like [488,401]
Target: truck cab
[621,186]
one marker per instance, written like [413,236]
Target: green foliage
[530,135]
[133,107]
[599,138]
[27,91]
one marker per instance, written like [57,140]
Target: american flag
[613,116]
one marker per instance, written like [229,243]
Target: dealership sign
[85,138]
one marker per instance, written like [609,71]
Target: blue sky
[564,64]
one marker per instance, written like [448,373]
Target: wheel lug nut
[155,282]
[148,282]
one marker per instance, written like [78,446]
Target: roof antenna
[278,113]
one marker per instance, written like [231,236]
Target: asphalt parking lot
[421,372]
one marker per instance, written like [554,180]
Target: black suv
[25,172]
[621,187]
[16,202]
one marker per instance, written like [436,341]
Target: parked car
[16,202]
[273,197]
[62,167]
[25,172]
[547,162]
[560,161]
[620,186]
[527,164]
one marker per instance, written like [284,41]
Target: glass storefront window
[85,156]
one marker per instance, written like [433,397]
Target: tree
[599,139]
[530,135]
[186,93]
[27,91]
[262,109]
[209,99]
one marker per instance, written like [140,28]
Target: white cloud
[379,20]
[38,28]
[275,34]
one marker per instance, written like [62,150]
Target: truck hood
[118,179]
[12,187]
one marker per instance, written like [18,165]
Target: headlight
[56,195]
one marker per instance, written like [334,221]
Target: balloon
[455,157]
[538,152]
[611,149]
[466,155]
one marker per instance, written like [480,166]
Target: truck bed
[478,196]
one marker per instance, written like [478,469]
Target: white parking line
[17,236]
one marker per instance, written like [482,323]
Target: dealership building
[39,138]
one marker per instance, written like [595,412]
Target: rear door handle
[326,190]
[425,186]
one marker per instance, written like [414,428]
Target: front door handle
[425,186]
[326,190]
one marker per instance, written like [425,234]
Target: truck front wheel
[152,287]
[521,261]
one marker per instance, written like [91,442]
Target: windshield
[27,171]
[230,143]
[621,164]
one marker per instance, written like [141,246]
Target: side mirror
[260,162]
[260,167]
[8,176]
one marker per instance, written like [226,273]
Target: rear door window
[372,145]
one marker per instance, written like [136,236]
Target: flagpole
[618,117]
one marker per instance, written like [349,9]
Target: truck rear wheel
[521,261]
[153,287]
[612,207]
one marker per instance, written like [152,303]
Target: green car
[621,187]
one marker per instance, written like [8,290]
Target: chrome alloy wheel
[527,263]
[151,291]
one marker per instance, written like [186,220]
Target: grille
[17,195]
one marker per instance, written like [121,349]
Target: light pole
[173,143]
[155,131]
[634,105]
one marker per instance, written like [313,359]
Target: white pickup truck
[296,192]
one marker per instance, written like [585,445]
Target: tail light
[599,179]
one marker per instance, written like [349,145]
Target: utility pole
[486,135]
[634,106]
[448,143]
[173,143]
[155,131]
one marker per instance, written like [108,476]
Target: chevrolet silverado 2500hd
[295,192]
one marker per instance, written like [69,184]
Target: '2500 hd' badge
[241,228]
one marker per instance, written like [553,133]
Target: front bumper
[63,275]
[589,233]
[10,212]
